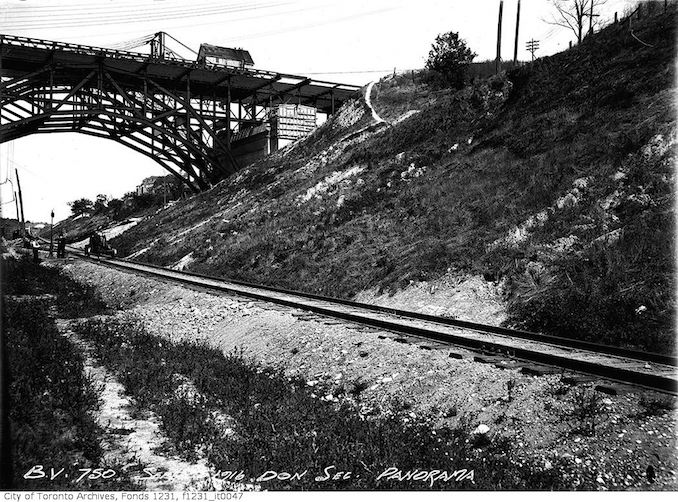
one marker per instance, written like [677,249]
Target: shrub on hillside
[449,59]
[81,206]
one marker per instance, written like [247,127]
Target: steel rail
[485,328]
[621,372]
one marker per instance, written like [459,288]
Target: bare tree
[575,14]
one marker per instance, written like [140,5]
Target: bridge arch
[179,113]
[97,106]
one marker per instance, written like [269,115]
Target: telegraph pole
[591,16]
[498,62]
[532,46]
[515,47]
[21,203]
[51,236]
[591,19]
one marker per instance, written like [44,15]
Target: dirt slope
[554,183]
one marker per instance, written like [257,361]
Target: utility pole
[533,46]
[51,236]
[497,65]
[515,47]
[591,19]
[591,16]
[16,202]
[21,203]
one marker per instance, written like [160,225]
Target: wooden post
[21,203]
[570,44]
[615,18]
[515,48]
[497,64]
[591,19]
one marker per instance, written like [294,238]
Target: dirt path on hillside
[368,101]
[132,442]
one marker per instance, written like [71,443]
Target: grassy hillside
[555,179]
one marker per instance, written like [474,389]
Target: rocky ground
[622,442]
[471,298]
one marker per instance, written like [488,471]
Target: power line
[532,46]
[131,44]
[264,34]
[203,23]
[119,4]
[342,72]
[131,20]
[91,11]
[182,44]
[134,18]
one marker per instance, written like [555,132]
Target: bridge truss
[180,113]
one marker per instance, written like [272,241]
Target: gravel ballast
[418,376]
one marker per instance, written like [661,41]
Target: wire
[310,26]
[342,72]
[134,18]
[180,43]
[100,10]
[131,44]
[65,5]
[205,23]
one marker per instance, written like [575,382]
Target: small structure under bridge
[181,113]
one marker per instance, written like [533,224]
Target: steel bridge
[178,112]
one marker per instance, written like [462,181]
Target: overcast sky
[351,41]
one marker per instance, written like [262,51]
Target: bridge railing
[52,45]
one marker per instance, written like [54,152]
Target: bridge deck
[22,56]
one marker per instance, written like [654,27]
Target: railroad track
[492,343]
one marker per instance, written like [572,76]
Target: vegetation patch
[23,277]
[52,401]
[254,420]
